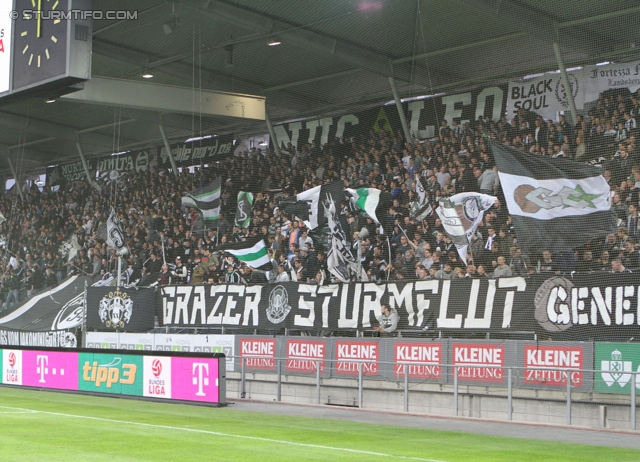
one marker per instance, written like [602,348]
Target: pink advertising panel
[195,379]
[46,369]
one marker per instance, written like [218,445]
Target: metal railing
[511,373]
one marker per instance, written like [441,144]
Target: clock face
[40,42]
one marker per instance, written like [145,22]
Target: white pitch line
[227,435]
[18,412]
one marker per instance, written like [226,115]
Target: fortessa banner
[112,309]
[598,305]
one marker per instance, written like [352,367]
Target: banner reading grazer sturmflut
[556,204]
[582,306]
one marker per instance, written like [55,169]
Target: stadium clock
[40,43]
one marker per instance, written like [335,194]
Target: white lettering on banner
[283,136]
[371,304]
[567,305]
[429,353]
[303,304]
[415,108]
[344,120]
[540,360]
[331,291]
[199,304]
[258,353]
[467,355]
[343,321]
[397,299]
[302,355]
[481,102]
[183,294]
[231,304]
[50,339]
[450,101]
[367,352]
[214,318]
[252,297]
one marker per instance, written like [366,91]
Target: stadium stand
[158,229]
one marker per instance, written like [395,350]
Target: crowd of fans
[168,246]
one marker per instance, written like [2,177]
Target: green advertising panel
[1,369]
[110,373]
[620,360]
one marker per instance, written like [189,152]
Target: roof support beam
[152,97]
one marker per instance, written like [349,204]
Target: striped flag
[374,202]
[252,252]
[206,200]
[461,214]
[556,204]
[243,213]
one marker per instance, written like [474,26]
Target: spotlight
[49,101]
[275,41]
[146,75]
[262,143]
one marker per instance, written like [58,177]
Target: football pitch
[50,426]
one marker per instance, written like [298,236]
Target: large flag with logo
[461,214]
[421,208]
[115,237]
[374,202]
[243,213]
[252,252]
[206,200]
[340,260]
[315,196]
[556,204]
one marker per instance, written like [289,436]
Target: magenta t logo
[199,371]
[42,362]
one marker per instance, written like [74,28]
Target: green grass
[69,427]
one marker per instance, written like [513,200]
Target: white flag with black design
[461,214]
[115,237]
[243,213]
[340,261]
[556,204]
[69,248]
[421,208]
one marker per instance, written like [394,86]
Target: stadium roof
[334,56]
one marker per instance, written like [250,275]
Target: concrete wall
[534,406]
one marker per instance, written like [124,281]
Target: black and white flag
[556,204]
[421,208]
[314,196]
[69,248]
[461,214]
[243,213]
[340,260]
[115,237]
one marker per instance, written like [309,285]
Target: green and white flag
[206,200]
[556,204]
[373,202]
[243,213]
[252,252]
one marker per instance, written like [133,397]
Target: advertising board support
[406,388]
[360,385]
[455,391]
[243,392]
[279,389]
[633,402]
[509,395]
[318,381]
[568,398]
